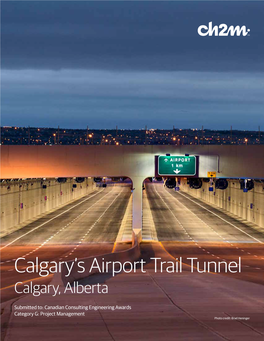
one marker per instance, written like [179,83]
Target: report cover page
[132,170]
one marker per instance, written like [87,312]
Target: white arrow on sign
[177,171]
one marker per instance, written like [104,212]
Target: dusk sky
[131,64]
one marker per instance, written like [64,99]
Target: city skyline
[61,136]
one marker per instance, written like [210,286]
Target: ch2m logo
[222,30]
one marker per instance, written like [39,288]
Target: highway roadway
[83,228]
[180,306]
[188,227]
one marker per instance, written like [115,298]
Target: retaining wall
[25,200]
[248,206]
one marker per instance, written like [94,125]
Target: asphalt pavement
[86,227]
[187,227]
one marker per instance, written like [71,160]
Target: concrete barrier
[27,200]
[248,206]
[131,255]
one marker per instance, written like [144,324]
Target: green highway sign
[177,165]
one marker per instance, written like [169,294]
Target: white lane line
[80,242]
[46,241]
[68,224]
[37,227]
[181,225]
[196,216]
[202,221]
[222,218]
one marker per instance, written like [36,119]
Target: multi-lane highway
[187,227]
[181,305]
[83,228]
[184,226]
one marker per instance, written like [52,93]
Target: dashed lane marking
[205,222]
[200,220]
[259,241]
[46,222]
[85,235]
[47,240]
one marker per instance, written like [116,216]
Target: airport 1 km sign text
[177,165]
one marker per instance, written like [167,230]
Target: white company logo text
[222,30]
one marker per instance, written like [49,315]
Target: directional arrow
[177,171]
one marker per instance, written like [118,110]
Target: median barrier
[131,255]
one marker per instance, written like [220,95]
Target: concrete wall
[248,206]
[132,161]
[22,201]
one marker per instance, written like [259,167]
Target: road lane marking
[37,227]
[210,272]
[80,242]
[29,253]
[196,216]
[182,224]
[199,219]
[173,214]
[113,250]
[148,230]
[222,218]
